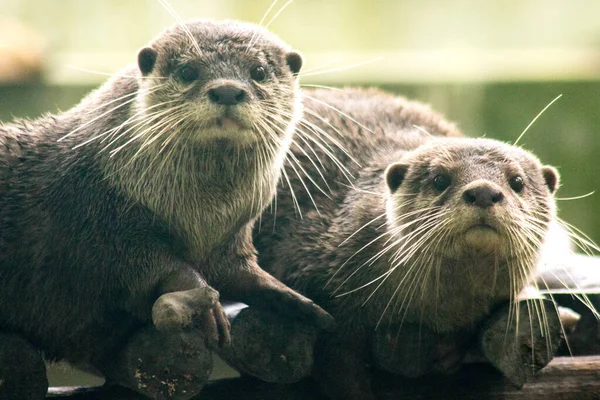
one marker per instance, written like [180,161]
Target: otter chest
[207,223]
[202,205]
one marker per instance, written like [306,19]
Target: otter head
[470,205]
[222,100]
[229,83]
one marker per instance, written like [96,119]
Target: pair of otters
[129,208]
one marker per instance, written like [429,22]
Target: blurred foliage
[466,37]
[325,25]
[516,39]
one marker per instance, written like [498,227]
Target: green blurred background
[491,66]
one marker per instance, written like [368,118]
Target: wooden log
[279,350]
[177,365]
[565,378]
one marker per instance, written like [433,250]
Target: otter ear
[394,175]
[146,60]
[551,177]
[294,61]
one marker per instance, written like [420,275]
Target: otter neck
[204,191]
[446,293]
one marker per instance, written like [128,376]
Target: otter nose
[482,196]
[227,95]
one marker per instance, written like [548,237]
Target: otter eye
[516,184]
[442,182]
[188,73]
[258,74]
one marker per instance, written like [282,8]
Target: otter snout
[482,194]
[227,94]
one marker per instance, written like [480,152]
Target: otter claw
[215,328]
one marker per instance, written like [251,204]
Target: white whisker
[347,67]
[535,119]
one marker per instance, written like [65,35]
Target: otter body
[148,187]
[429,236]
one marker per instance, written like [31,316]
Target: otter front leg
[22,369]
[255,287]
[241,279]
[521,338]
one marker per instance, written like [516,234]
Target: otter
[130,207]
[413,231]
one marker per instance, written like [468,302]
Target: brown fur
[94,229]
[436,298]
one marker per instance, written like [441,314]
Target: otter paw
[271,347]
[286,301]
[519,350]
[175,311]
[197,309]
